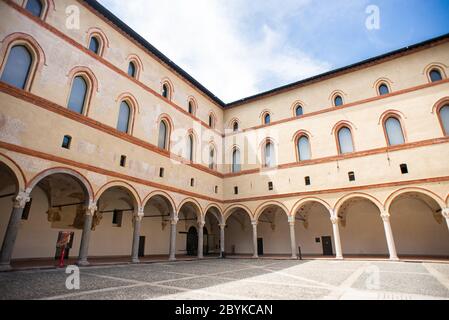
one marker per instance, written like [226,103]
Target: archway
[192,242]
[238,231]
[361,227]
[189,216]
[418,225]
[212,219]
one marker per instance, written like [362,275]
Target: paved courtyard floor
[237,279]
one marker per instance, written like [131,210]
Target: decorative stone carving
[21,200]
[53,215]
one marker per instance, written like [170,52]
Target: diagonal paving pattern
[238,279]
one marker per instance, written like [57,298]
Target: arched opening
[299,111]
[189,214]
[9,187]
[383,89]
[124,117]
[418,225]
[166,92]
[338,101]
[394,131]
[435,75]
[238,232]
[236,162]
[268,155]
[313,229]
[192,242]
[190,148]
[361,227]
[155,229]
[273,235]
[211,243]
[132,69]
[443,114]
[95,45]
[303,148]
[18,66]
[78,95]
[35,7]
[164,133]
[266,118]
[345,140]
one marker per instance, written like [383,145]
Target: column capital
[445,213]
[291,219]
[222,225]
[254,223]
[92,207]
[140,211]
[335,219]
[21,200]
[138,218]
[385,216]
[201,223]
[174,221]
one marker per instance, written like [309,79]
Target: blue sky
[237,48]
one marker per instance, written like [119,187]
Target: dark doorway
[192,242]
[206,242]
[67,248]
[260,246]
[327,246]
[142,246]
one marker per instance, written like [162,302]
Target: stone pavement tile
[389,266]
[137,273]
[403,283]
[243,274]
[197,283]
[442,268]
[38,284]
[326,278]
[133,293]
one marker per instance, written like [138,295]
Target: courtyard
[236,279]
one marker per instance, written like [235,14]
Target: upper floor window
[394,131]
[35,7]
[211,121]
[78,95]
[190,147]
[269,155]
[444,118]
[383,89]
[212,158]
[235,126]
[345,143]
[236,165]
[192,107]
[94,45]
[338,101]
[303,148]
[18,67]
[163,135]
[166,91]
[124,117]
[435,75]
[266,118]
[299,111]
[132,70]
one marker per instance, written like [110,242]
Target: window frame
[444,102]
[264,155]
[236,150]
[379,85]
[387,117]
[130,116]
[298,136]
[46,6]
[168,127]
[337,129]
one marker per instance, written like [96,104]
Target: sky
[238,48]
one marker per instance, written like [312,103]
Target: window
[307,181]
[235,126]
[338,101]
[161,172]
[122,161]
[132,70]
[163,134]
[26,210]
[236,190]
[444,118]
[211,121]
[303,148]
[35,7]
[394,131]
[236,166]
[94,45]
[383,89]
[166,91]
[191,107]
[404,168]
[269,159]
[78,95]
[123,117]
[267,118]
[345,141]
[212,158]
[190,147]
[66,142]
[192,182]
[117,216]
[299,111]
[216,189]
[351,176]
[435,75]
[18,66]
[270,186]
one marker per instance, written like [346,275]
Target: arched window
[435,75]
[211,121]
[269,156]
[236,165]
[166,91]
[212,158]
[266,118]
[132,70]
[78,95]
[190,147]
[94,45]
[338,101]
[444,118]
[18,66]
[191,107]
[345,140]
[299,111]
[163,135]
[235,126]
[303,148]
[394,131]
[123,117]
[383,89]
[35,7]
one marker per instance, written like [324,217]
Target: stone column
[84,246]
[389,235]
[19,203]
[173,223]
[200,239]
[136,236]
[291,222]
[337,240]
[255,254]
[445,213]
[222,240]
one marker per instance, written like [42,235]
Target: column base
[135,260]
[83,263]
[171,259]
[5,267]
[294,257]
[202,257]
[255,257]
[394,259]
[339,258]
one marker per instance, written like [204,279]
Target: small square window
[317,240]
[66,142]
[192,182]
[161,172]
[270,186]
[216,189]
[351,176]
[123,161]
[307,181]
[404,168]
[117,217]
[236,190]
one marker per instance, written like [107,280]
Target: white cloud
[223,44]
